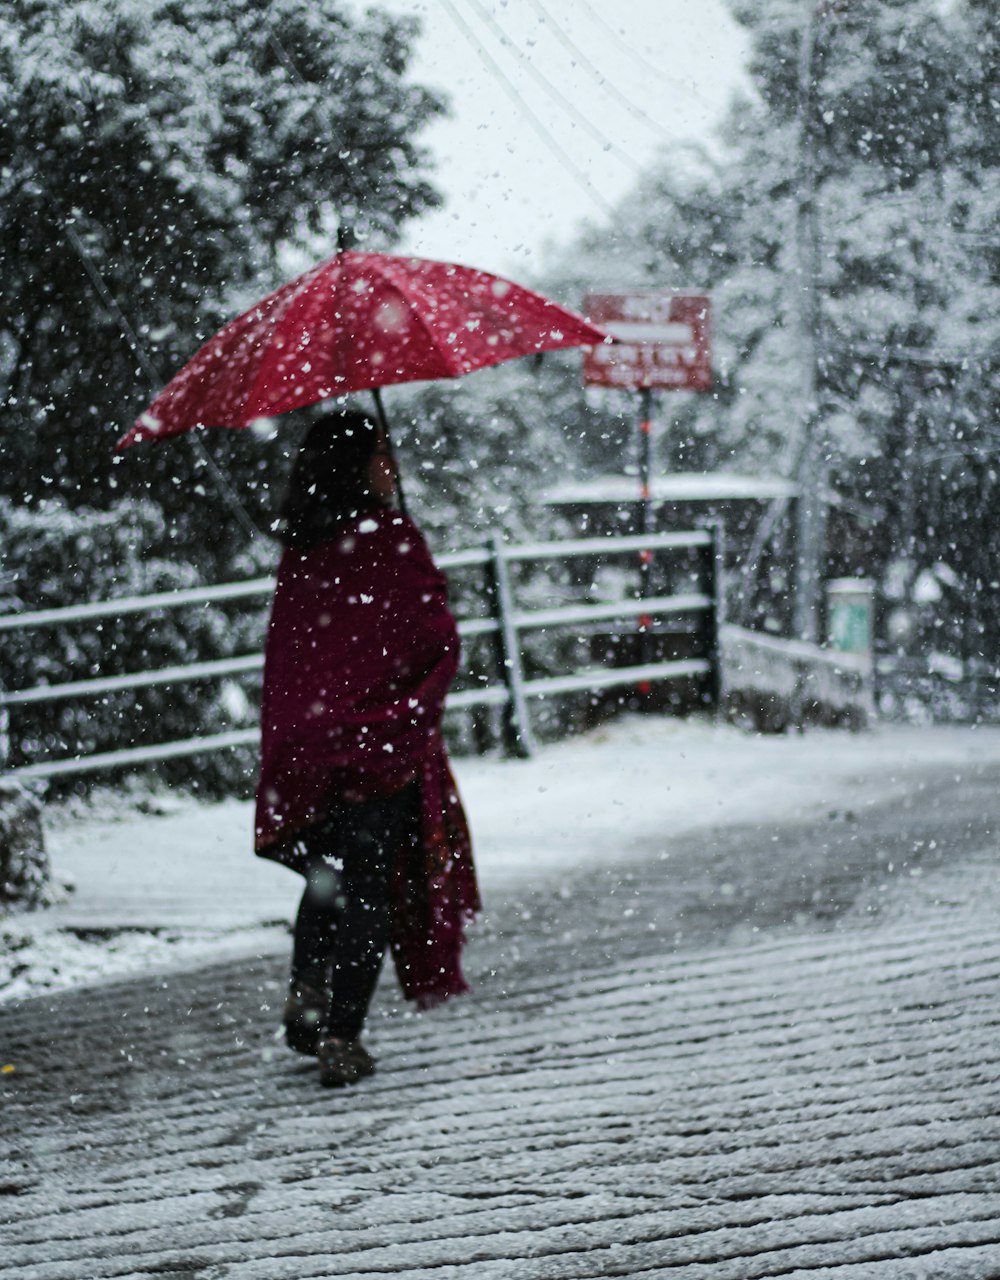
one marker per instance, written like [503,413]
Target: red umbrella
[357,321]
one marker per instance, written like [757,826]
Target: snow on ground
[179,886]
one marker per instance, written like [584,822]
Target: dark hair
[329,481]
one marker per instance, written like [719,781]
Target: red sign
[662,342]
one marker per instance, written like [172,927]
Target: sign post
[662,343]
[646,494]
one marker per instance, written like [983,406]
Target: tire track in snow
[820,1104]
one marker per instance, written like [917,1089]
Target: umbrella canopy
[357,321]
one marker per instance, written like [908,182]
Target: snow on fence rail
[778,682]
[506,624]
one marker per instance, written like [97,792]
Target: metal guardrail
[506,624]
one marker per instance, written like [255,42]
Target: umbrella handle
[383,422]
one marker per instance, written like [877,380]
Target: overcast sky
[556,104]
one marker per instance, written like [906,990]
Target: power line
[548,87]
[658,72]
[608,85]
[563,157]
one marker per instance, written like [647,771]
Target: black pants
[342,926]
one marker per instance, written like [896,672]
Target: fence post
[5,587]
[517,736]
[717,552]
[798,708]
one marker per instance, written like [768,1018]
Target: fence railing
[504,626]
[780,683]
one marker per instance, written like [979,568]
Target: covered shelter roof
[685,486]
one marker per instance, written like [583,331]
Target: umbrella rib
[414,309]
[275,317]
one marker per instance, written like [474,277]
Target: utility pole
[811,513]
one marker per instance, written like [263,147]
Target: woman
[355,789]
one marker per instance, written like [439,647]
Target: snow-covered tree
[161,164]
[900,126]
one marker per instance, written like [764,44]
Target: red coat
[361,650]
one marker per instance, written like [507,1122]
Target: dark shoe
[343,1062]
[304,1010]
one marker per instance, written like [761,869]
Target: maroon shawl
[361,650]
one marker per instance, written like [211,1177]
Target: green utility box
[850,615]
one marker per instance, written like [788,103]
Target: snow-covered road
[741,1048]
[155,891]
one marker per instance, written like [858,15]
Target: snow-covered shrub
[24,864]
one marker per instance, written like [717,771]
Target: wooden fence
[504,625]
